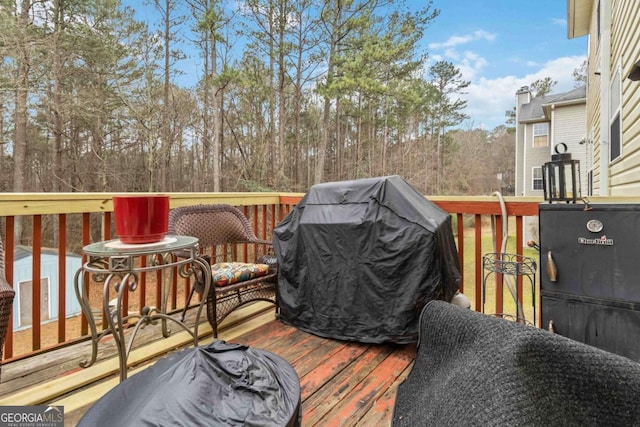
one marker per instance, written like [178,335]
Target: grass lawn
[488,247]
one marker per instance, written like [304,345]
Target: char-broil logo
[601,241]
[32,416]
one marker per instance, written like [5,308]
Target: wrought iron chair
[6,300]
[234,284]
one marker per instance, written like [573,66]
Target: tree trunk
[56,109]
[216,114]
[204,174]
[21,111]
[324,138]
[165,147]
[282,96]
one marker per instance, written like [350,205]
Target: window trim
[598,21]
[534,179]
[534,135]
[615,116]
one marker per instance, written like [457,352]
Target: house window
[537,178]
[541,134]
[615,125]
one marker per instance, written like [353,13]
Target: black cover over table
[222,384]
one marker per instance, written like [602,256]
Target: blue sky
[502,45]
[499,46]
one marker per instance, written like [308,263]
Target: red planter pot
[141,219]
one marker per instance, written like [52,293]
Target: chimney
[523,96]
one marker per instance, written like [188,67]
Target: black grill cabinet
[595,298]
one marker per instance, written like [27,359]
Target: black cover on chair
[223,384]
[476,370]
[358,260]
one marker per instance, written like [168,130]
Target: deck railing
[63,223]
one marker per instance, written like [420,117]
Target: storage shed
[49,291]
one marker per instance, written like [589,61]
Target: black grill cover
[358,260]
[222,384]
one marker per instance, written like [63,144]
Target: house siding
[625,41]
[519,178]
[593,98]
[567,121]
[522,97]
[624,172]
[569,126]
[535,157]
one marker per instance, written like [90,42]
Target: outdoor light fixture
[561,177]
[634,75]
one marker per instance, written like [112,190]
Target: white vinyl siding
[569,127]
[616,133]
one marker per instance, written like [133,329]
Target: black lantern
[561,177]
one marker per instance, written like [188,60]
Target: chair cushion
[227,273]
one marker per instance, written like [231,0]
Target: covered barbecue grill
[358,260]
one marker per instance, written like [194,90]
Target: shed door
[26,301]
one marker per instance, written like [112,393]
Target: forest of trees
[292,93]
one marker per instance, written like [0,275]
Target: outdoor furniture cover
[222,384]
[472,369]
[358,260]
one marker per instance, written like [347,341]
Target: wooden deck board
[326,352]
[382,410]
[365,394]
[342,383]
[322,373]
[321,402]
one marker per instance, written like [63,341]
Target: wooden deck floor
[342,383]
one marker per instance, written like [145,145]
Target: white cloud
[559,69]
[468,62]
[464,39]
[489,99]
[481,34]
[471,64]
[451,42]
[452,54]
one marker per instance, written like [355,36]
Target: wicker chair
[218,228]
[6,300]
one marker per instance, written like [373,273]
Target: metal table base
[117,266]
